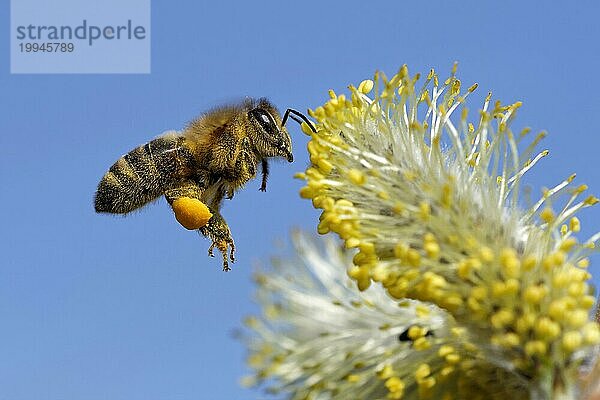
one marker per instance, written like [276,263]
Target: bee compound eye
[265,120]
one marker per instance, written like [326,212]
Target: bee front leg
[265,175]
[217,230]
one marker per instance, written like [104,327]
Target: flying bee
[212,158]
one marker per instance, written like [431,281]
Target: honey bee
[212,158]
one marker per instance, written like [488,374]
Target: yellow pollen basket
[191,213]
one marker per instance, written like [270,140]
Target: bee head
[272,138]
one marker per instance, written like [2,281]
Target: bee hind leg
[217,230]
[185,200]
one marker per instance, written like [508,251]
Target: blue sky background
[99,307]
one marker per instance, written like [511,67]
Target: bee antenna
[293,114]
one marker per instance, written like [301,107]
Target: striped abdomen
[143,174]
